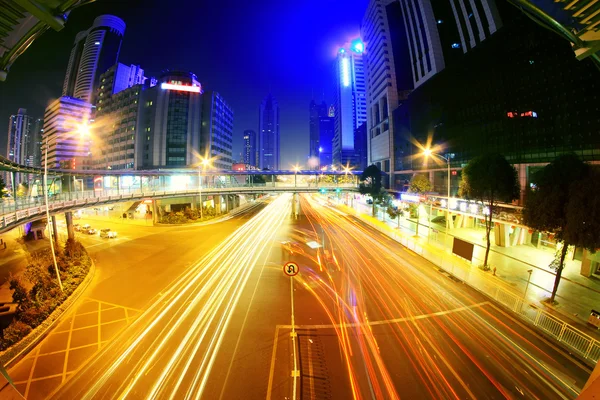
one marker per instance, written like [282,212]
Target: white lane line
[272,368]
[388,321]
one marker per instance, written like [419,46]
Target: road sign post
[291,269]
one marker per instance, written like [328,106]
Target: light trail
[372,282]
[170,350]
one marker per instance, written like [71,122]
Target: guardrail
[14,211]
[572,338]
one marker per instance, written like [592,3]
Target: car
[90,231]
[77,227]
[86,227]
[107,233]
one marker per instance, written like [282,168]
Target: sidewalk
[576,295]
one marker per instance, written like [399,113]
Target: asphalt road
[371,319]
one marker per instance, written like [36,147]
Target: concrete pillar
[458,223]
[501,232]
[217,202]
[516,236]
[54,229]
[236,200]
[70,229]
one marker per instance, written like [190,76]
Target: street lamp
[83,130]
[296,169]
[204,162]
[427,152]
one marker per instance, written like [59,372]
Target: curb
[10,356]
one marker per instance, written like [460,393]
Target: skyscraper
[93,52]
[116,124]
[350,101]
[19,147]
[64,120]
[438,31]
[268,131]
[170,121]
[217,130]
[36,142]
[313,127]
[326,129]
[388,76]
[250,147]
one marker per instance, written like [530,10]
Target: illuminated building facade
[217,130]
[350,101]
[268,134]
[170,122]
[116,124]
[64,120]
[93,52]
[250,148]
[19,146]
[526,107]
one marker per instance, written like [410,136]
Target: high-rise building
[496,99]
[439,31]
[36,142]
[93,52]
[313,129]
[326,130]
[116,124]
[268,133]
[350,101]
[170,122]
[360,147]
[250,148]
[217,130]
[388,77]
[19,147]
[65,120]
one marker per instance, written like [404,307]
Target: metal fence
[572,338]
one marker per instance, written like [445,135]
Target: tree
[2,187]
[557,204]
[419,184]
[370,184]
[490,179]
[22,190]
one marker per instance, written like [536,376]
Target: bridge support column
[236,200]
[54,229]
[295,206]
[217,201]
[70,230]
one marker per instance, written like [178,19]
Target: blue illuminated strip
[345,72]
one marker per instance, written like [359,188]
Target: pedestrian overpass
[70,190]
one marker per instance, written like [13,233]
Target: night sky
[240,48]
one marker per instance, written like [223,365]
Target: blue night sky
[242,49]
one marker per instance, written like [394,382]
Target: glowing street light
[204,163]
[427,152]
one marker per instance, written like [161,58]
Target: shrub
[20,294]
[13,333]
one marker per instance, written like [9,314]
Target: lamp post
[529,271]
[427,153]
[83,131]
[204,162]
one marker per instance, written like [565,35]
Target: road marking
[272,368]
[35,358]
[64,374]
[388,321]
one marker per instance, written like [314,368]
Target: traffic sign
[291,269]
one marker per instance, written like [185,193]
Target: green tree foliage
[490,179]
[22,190]
[370,184]
[562,202]
[419,184]
[2,187]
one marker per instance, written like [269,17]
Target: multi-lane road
[371,319]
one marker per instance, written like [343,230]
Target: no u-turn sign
[291,269]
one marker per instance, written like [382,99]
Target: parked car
[86,227]
[90,231]
[107,233]
[77,227]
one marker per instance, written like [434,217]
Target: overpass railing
[14,210]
